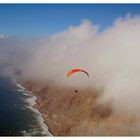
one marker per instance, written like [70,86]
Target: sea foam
[31,101]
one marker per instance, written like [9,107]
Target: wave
[31,101]
[20,86]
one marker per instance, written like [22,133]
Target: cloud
[3,36]
[13,54]
[111,57]
[62,52]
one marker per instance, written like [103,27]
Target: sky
[34,20]
[111,58]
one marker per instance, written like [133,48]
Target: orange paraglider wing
[76,70]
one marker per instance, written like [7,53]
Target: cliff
[78,113]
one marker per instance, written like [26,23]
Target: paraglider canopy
[76,70]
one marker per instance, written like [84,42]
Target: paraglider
[76,70]
[76,90]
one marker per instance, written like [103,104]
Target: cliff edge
[68,112]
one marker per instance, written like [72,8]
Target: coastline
[67,113]
[32,105]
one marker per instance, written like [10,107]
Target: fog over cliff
[111,57]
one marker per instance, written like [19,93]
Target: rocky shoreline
[32,102]
[70,113]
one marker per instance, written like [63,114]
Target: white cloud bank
[111,57]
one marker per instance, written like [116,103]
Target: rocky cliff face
[78,113]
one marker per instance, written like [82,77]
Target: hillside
[71,113]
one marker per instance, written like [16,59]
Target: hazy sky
[46,19]
[111,57]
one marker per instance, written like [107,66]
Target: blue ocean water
[16,115]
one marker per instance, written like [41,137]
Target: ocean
[18,117]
